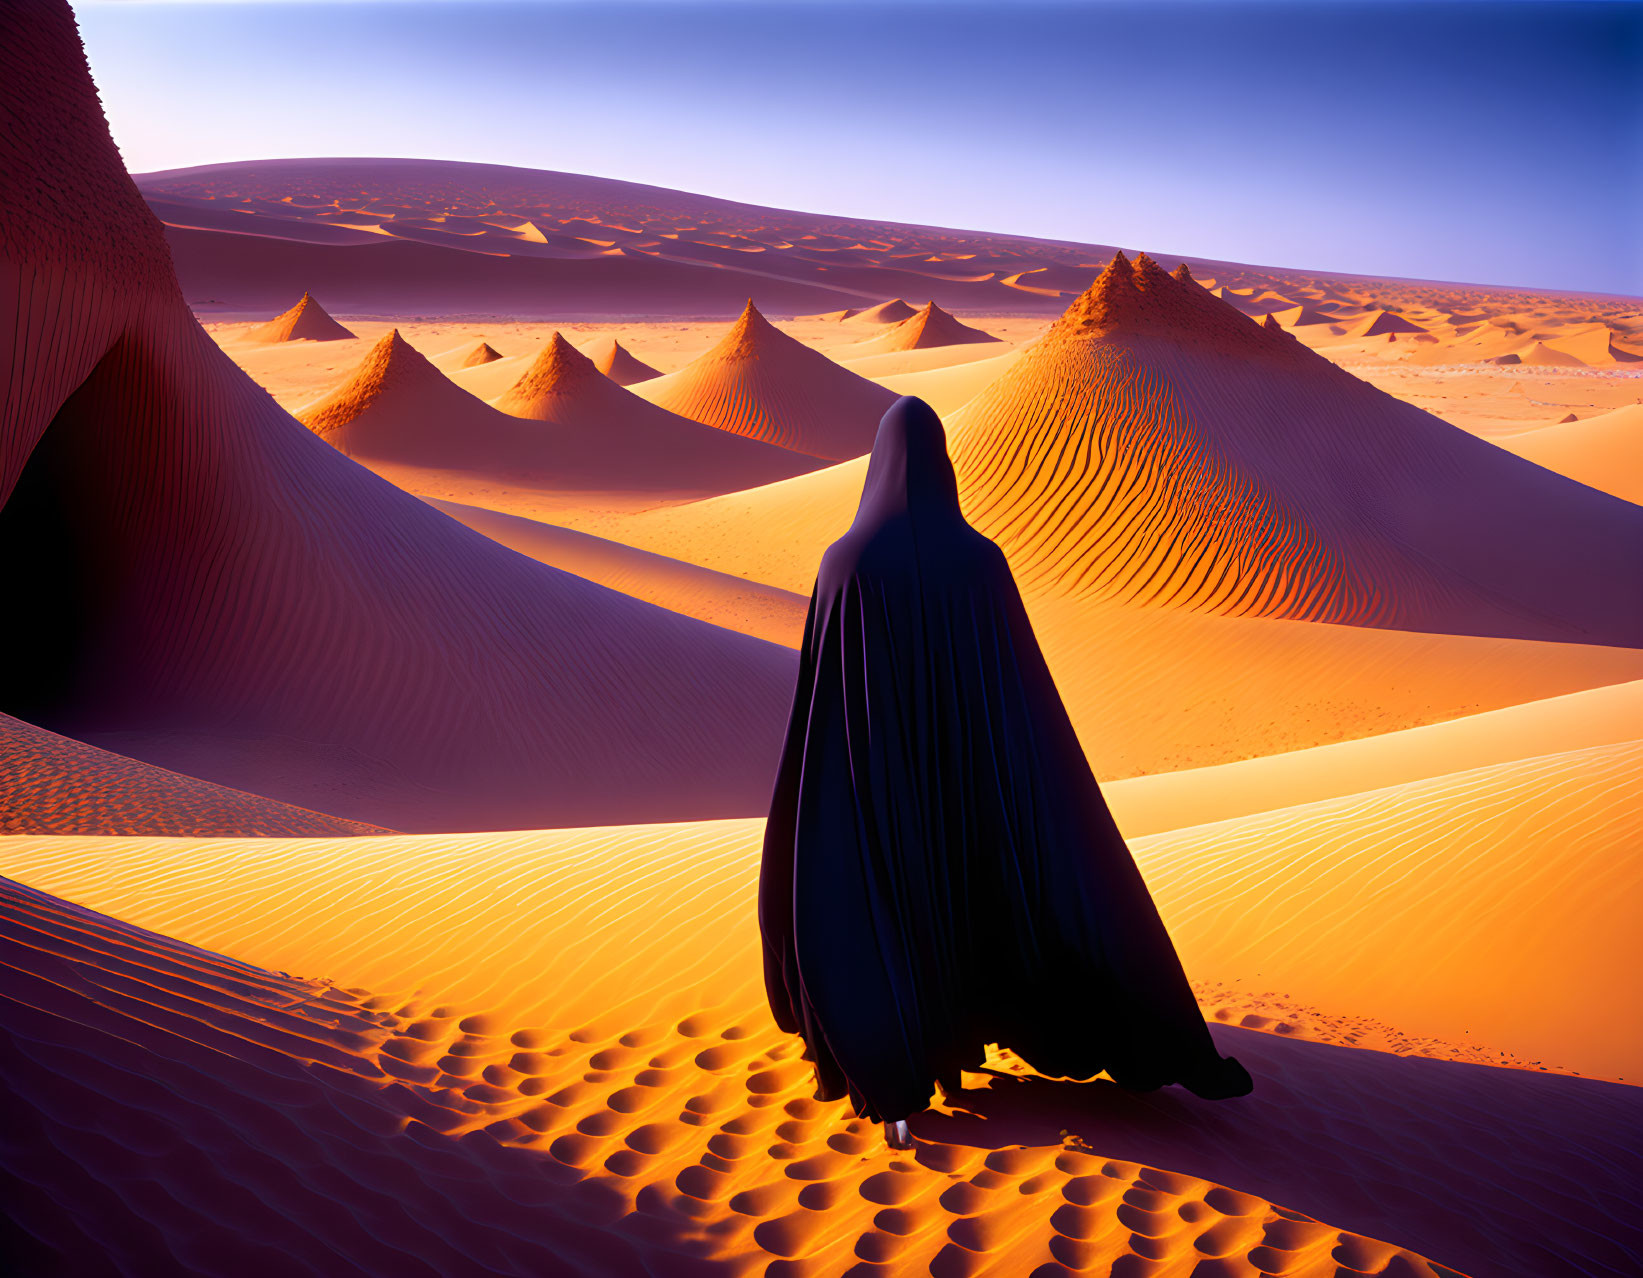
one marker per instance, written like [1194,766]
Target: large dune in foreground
[593,997]
[210,587]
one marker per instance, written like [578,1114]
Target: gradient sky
[1471,140]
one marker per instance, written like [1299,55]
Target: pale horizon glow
[1467,140]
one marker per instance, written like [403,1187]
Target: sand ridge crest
[758,381]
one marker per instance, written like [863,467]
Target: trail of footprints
[705,1135]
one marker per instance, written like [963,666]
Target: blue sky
[1471,140]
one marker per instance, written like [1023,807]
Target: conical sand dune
[482,353]
[1302,316]
[1158,446]
[203,577]
[397,407]
[598,432]
[929,326]
[892,312]
[1378,323]
[304,322]
[760,382]
[619,364]
[1545,355]
[279,1122]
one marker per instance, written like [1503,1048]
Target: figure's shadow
[1010,1109]
[1486,1169]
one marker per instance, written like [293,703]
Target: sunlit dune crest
[760,382]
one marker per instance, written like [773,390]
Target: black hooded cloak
[940,870]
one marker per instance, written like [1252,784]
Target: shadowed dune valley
[560,726]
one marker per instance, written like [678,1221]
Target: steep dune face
[760,382]
[304,322]
[201,574]
[927,327]
[619,364]
[1157,446]
[598,432]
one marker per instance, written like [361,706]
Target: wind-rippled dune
[51,784]
[1158,447]
[594,997]
[762,383]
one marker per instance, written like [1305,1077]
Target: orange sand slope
[51,784]
[316,635]
[733,602]
[304,322]
[1157,447]
[602,434]
[594,995]
[760,382]
[1604,451]
[1393,885]
[929,326]
[1196,796]
[619,364]
[234,1083]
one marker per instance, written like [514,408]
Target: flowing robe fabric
[940,871]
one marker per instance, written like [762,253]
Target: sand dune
[946,387]
[1603,452]
[1378,323]
[482,353]
[929,326]
[619,364]
[892,312]
[1196,796]
[215,590]
[304,322]
[51,784]
[1301,316]
[482,1148]
[1156,446]
[1289,488]
[733,602]
[601,434]
[397,407]
[592,996]
[762,383]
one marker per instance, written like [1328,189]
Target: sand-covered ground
[400,678]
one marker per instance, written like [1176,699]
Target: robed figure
[940,870]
